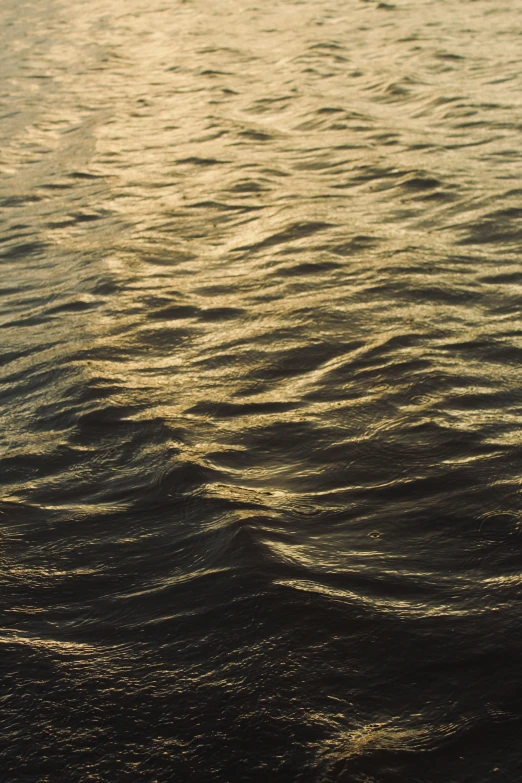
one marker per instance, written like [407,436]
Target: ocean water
[260,379]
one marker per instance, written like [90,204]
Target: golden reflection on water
[262,334]
[288,205]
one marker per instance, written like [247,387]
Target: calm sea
[261,391]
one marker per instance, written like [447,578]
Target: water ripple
[260,394]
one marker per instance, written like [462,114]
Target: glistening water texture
[260,338]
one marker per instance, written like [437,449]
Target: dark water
[261,402]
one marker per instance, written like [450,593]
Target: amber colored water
[261,399]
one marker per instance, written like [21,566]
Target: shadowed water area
[260,348]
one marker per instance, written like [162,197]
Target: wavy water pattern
[260,340]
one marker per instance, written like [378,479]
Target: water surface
[260,342]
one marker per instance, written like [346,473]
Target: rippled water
[261,409]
